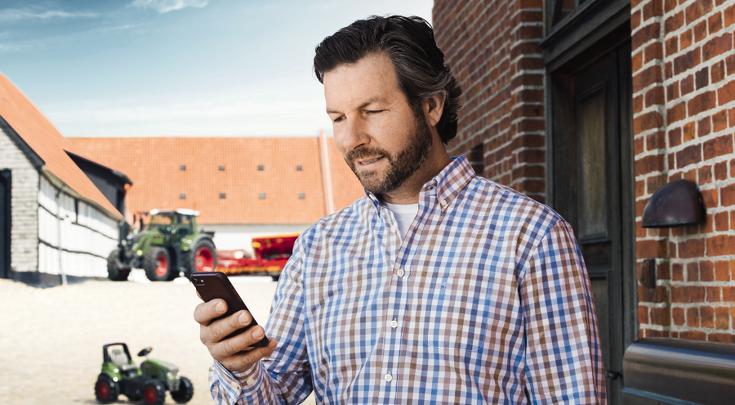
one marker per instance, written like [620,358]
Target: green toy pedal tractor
[150,382]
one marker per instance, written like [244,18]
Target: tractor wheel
[105,389]
[116,270]
[154,393]
[185,391]
[276,277]
[157,264]
[202,257]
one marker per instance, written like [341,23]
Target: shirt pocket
[455,318]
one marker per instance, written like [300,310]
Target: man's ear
[433,108]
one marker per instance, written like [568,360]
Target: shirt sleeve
[283,377]
[563,354]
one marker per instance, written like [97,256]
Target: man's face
[375,128]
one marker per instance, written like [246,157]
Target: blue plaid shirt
[485,300]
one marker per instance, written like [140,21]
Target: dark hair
[410,45]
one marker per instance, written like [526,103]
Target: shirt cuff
[236,383]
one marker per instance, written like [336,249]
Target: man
[439,286]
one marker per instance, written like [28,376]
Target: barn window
[182,196]
[262,196]
[222,168]
[222,196]
[302,196]
[299,168]
[182,167]
[261,168]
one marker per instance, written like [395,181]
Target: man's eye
[375,111]
[338,119]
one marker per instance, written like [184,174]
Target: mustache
[365,153]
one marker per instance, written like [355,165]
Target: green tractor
[150,382]
[172,244]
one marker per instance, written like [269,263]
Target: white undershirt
[404,214]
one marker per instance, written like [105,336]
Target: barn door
[591,139]
[5,223]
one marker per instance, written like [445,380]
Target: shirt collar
[448,183]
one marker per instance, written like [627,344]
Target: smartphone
[215,284]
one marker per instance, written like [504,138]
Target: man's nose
[355,134]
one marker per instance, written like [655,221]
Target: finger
[238,343]
[205,312]
[220,329]
[243,361]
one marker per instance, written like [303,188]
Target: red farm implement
[271,255]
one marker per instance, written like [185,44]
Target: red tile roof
[41,136]
[153,164]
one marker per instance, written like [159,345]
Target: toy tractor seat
[121,359]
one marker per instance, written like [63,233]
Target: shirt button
[388,377]
[395,229]
[394,324]
[443,204]
[250,382]
[400,272]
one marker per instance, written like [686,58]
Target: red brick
[669,5]
[690,131]
[648,164]
[717,147]
[653,183]
[655,96]
[662,271]
[719,121]
[726,93]
[687,156]
[677,113]
[693,335]
[721,171]
[675,137]
[728,294]
[698,9]
[730,61]
[660,316]
[685,39]
[677,313]
[669,70]
[702,102]
[717,46]
[693,271]
[727,195]
[709,198]
[722,222]
[704,127]
[642,314]
[674,22]
[687,61]
[701,78]
[637,61]
[650,248]
[732,168]
[654,51]
[637,104]
[652,9]
[693,317]
[707,316]
[687,85]
[717,72]
[645,34]
[721,337]
[721,245]
[635,20]
[638,146]
[729,16]
[691,248]
[647,121]
[705,175]
[715,22]
[656,140]
[706,271]
[656,333]
[700,31]
[640,187]
[672,46]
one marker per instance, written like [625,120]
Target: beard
[401,165]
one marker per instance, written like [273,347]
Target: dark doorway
[592,184]
[5,184]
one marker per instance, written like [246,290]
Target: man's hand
[230,352]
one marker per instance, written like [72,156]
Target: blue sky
[177,67]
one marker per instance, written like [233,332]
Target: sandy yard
[51,339]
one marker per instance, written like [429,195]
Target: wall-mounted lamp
[675,204]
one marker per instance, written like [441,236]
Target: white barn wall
[24,206]
[238,236]
[87,237]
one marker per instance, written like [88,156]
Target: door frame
[571,47]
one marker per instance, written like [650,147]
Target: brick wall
[24,206]
[493,49]
[684,111]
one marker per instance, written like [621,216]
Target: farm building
[242,187]
[594,106]
[58,209]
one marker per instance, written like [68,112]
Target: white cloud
[164,6]
[15,14]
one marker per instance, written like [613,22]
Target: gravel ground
[51,339]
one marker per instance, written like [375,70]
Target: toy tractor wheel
[105,389]
[154,393]
[202,257]
[185,391]
[116,270]
[157,264]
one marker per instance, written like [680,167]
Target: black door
[4,223]
[592,186]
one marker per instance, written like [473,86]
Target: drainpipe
[326,174]
[58,228]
